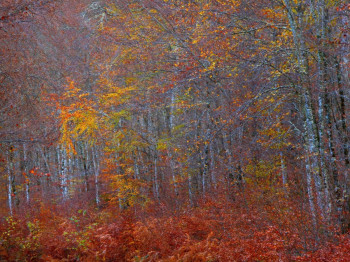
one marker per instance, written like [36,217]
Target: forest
[175,130]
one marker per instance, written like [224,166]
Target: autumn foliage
[216,230]
[174,130]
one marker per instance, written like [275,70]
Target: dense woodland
[174,130]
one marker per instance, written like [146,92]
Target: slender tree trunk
[205,152]
[283,171]
[171,128]
[310,191]
[155,177]
[323,81]
[87,165]
[230,165]
[83,166]
[10,178]
[62,171]
[25,163]
[95,160]
[310,128]
[212,164]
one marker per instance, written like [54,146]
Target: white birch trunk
[310,191]
[9,185]
[95,160]
[283,171]
[26,171]
[312,153]
[65,175]
[311,148]
[156,185]
[171,127]
[212,163]
[62,171]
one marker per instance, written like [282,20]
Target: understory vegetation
[174,130]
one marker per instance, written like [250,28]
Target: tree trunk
[10,179]
[96,162]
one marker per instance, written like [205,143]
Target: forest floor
[216,229]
